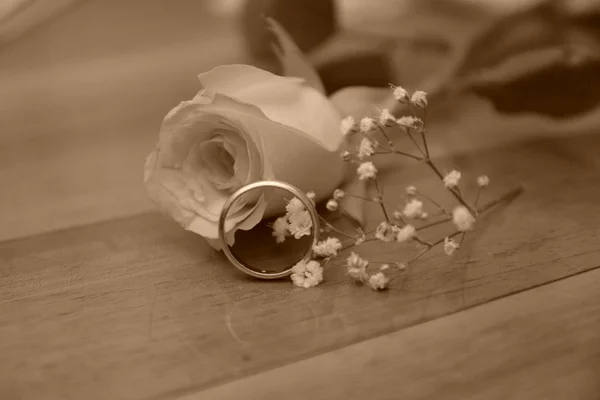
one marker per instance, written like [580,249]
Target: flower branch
[408,222]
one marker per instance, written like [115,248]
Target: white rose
[245,125]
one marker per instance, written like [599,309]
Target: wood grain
[538,345]
[138,308]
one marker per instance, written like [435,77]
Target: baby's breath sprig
[399,227]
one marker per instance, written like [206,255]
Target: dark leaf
[558,91]
[293,61]
[309,22]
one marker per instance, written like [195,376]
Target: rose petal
[288,154]
[161,195]
[281,99]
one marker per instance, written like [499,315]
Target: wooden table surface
[103,298]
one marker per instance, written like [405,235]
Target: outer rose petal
[293,146]
[292,156]
[281,99]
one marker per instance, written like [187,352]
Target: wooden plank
[543,344]
[136,307]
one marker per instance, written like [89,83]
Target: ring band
[308,204]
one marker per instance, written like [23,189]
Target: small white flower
[379,281]
[300,224]
[410,122]
[411,190]
[386,118]
[357,268]
[413,209]
[366,148]
[451,179]
[423,215]
[312,196]
[384,232]
[384,267]
[280,229]
[450,246]
[367,124]
[401,266]
[366,170]
[354,260]
[405,233]
[328,247]
[307,274]
[397,215]
[339,194]
[462,218]
[348,126]
[400,94]
[345,155]
[419,99]
[294,206]
[483,181]
[332,205]
[359,241]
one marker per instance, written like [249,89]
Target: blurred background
[85,83]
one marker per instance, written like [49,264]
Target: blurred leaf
[294,16]
[516,33]
[558,91]
[541,60]
[293,61]
[367,69]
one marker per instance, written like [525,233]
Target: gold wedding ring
[310,207]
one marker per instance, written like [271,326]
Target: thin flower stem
[333,228]
[506,197]
[454,193]
[353,221]
[423,242]
[415,142]
[435,223]
[360,197]
[477,197]
[386,136]
[431,246]
[424,132]
[395,151]
[435,203]
[440,241]
[419,255]
[462,238]
[380,201]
